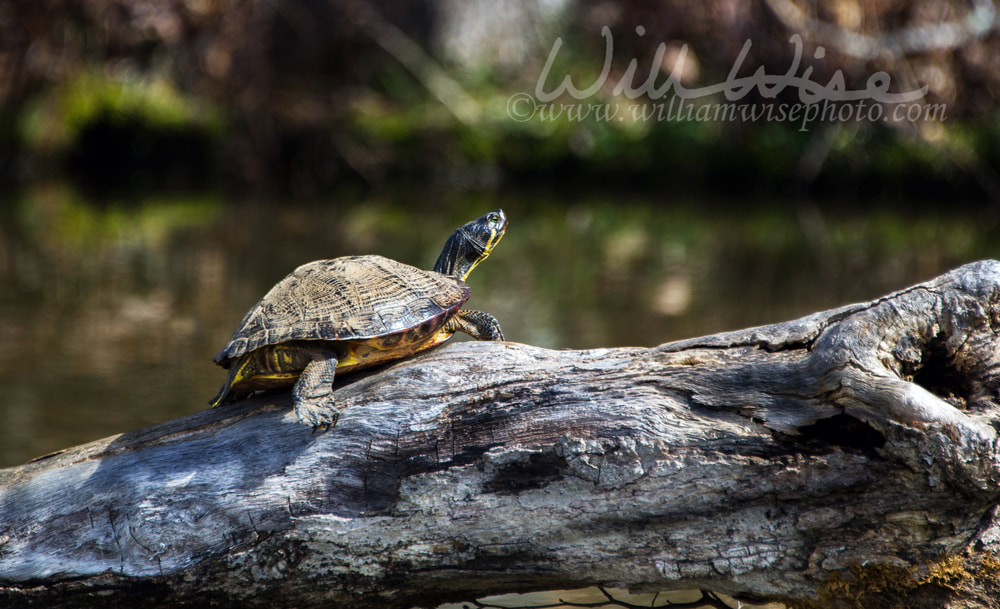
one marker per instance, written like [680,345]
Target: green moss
[882,586]
[53,123]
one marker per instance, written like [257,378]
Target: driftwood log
[801,462]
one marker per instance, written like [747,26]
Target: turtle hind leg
[477,324]
[221,396]
[226,394]
[243,368]
[313,394]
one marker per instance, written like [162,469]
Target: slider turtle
[333,316]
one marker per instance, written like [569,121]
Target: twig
[892,45]
[407,52]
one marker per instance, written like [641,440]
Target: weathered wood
[759,463]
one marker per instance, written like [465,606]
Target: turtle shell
[350,298]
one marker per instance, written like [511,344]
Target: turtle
[333,316]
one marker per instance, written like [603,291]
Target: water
[111,310]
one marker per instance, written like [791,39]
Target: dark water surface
[111,310]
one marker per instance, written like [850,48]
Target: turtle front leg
[480,325]
[313,393]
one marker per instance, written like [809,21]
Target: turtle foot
[320,416]
[313,394]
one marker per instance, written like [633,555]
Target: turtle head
[471,244]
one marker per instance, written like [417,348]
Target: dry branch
[763,463]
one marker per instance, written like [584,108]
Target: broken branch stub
[756,463]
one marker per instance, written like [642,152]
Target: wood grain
[757,463]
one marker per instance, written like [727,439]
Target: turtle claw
[321,428]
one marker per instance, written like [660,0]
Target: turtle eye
[494,220]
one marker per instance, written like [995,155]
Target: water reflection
[110,311]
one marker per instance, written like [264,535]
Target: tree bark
[791,462]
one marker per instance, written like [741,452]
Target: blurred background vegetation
[305,95]
[164,162]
